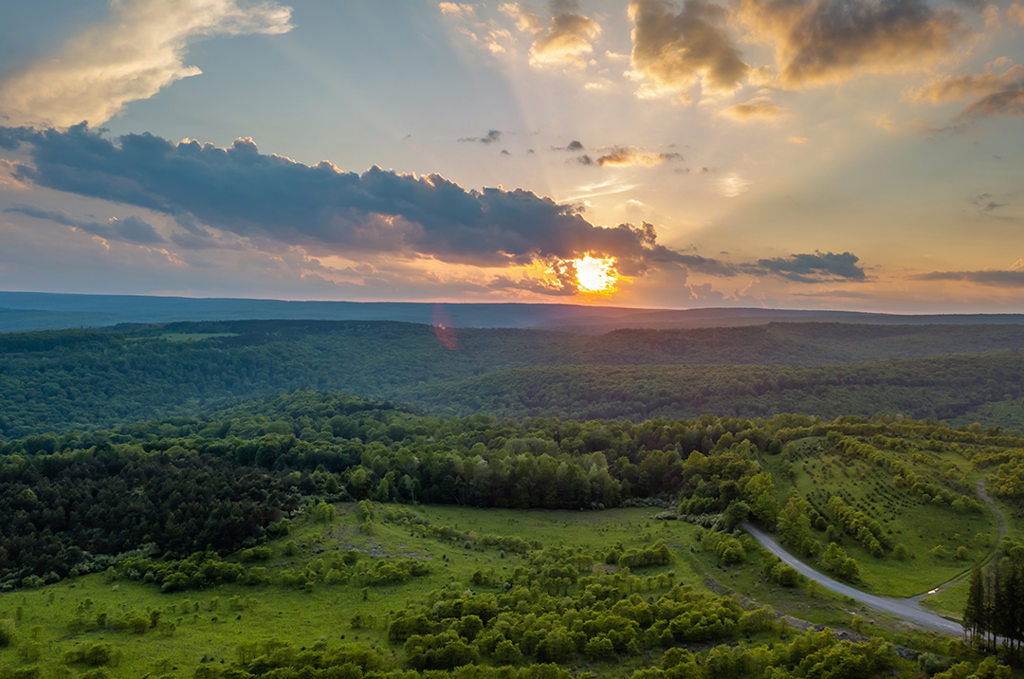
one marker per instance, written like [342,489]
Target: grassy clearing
[932,534]
[207,625]
[951,600]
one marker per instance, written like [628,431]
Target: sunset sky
[846,154]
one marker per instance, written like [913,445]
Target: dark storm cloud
[128,230]
[489,138]
[825,40]
[11,137]
[813,268]
[242,191]
[1008,278]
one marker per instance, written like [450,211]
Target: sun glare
[596,275]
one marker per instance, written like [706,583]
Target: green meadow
[208,625]
[156,634]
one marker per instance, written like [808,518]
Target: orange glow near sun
[596,275]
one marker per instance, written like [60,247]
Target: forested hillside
[61,490]
[986,388]
[200,529]
[77,379]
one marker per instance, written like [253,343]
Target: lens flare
[595,275]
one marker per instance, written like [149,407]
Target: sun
[595,275]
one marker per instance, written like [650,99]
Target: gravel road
[906,609]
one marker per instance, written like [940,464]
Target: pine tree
[1014,601]
[993,606]
[974,610]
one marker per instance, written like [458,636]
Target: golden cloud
[756,108]
[133,55]
[956,87]
[674,51]
[630,157]
[566,42]
[456,9]
[819,41]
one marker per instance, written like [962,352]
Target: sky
[843,154]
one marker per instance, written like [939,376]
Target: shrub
[6,633]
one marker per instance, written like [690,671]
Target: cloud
[998,93]
[128,230]
[813,268]
[489,138]
[566,42]
[828,40]
[456,9]
[758,107]
[674,51]
[565,6]
[11,137]
[574,146]
[626,156]
[527,22]
[976,5]
[1006,278]
[560,281]
[1015,13]
[1008,102]
[138,51]
[986,202]
[956,87]
[265,197]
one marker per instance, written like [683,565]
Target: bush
[95,655]
[785,575]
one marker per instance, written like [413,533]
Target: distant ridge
[24,311]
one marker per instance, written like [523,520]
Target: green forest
[89,379]
[299,499]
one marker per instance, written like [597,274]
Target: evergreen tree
[973,616]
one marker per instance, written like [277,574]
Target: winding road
[908,609]
[901,608]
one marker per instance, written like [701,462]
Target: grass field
[952,599]
[207,625]
[198,627]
